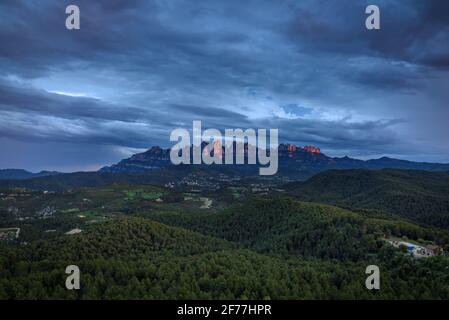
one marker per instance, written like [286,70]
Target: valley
[244,239]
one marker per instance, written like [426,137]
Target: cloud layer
[136,70]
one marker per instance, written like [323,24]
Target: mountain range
[154,167]
[298,163]
[19,174]
[295,161]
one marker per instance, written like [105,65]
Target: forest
[265,248]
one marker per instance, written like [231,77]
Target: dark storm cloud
[413,31]
[138,69]
[136,36]
[129,37]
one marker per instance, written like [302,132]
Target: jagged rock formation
[293,160]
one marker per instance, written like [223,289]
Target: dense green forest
[287,226]
[276,248]
[139,259]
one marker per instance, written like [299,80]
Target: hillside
[287,226]
[416,195]
[65,181]
[19,174]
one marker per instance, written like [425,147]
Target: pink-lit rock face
[292,147]
[217,149]
[312,149]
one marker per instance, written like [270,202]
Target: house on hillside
[415,250]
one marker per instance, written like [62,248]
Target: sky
[75,100]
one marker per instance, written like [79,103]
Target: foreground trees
[132,258]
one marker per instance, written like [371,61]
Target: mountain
[294,161]
[153,158]
[421,196]
[19,174]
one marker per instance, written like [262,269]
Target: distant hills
[65,181]
[420,196]
[20,174]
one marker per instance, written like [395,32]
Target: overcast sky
[78,100]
